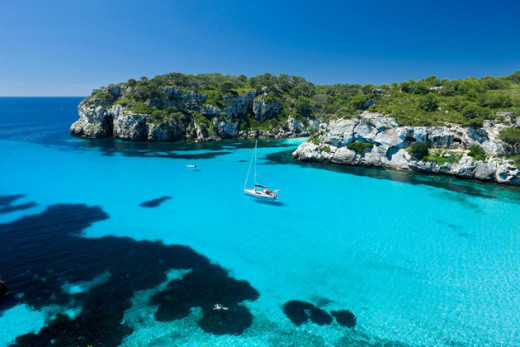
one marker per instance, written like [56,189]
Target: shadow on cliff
[42,254]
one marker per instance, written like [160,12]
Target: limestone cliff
[386,145]
[194,118]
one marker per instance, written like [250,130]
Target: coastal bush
[419,150]
[472,111]
[510,136]
[429,102]
[477,152]
[475,123]
[141,108]
[359,147]
[325,149]
[440,158]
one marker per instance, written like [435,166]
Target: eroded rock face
[264,109]
[390,143]
[98,119]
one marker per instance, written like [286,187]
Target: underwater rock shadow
[111,146]
[155,202]
[43,252]
[7,200]
[300,312]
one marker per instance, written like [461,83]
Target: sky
[68,48]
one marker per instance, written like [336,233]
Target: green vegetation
[442,156]
[515,158]
[425,102]
[510,136]
[359,147]
[324,149]
[419,150]
[477,152]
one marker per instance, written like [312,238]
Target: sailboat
[259,191]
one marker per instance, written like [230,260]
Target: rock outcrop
[387,147]
[99,118]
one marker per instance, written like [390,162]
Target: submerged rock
[232,321]
[155,202]
[344,318]
[320,317]
[297,311]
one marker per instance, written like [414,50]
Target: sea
[107,242]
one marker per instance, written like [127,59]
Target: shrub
[475,123]
[359,147]
[477,152]
[141,108]
[361,102]
[510,136]
[472,111]
[429,102]
[419,150]
[324,149]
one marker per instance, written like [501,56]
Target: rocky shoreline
[386,145]
[101,118]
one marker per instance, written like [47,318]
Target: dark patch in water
[202,288]
[297,311]
[344,318]
[232,321]
[242,161]
[320,317]
[300,312]
[40,253]
[3,287]
[7,200]
[155,202]
[449,225]
[463,234]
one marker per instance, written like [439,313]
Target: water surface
[420,260]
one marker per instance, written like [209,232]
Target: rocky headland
[374,140]
[193,117]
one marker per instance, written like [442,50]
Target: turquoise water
[419,260]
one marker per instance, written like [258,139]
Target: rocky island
[468,128]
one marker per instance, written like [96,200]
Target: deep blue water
[105,241]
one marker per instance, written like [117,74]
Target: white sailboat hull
[261,194]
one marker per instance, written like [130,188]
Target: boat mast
[256,141]
[249,169]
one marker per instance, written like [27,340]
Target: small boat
[191,165]
[259,191]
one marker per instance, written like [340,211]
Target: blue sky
[71,47]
